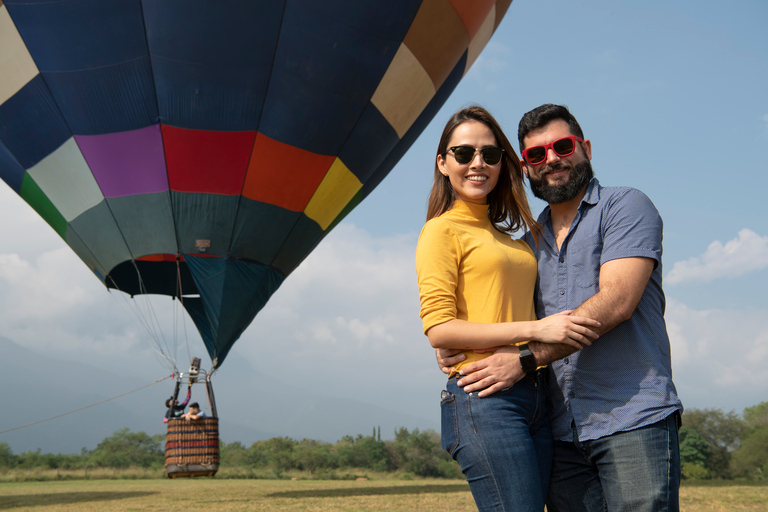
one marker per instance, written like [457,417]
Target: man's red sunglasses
[535,155]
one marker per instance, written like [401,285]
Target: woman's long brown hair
[508,207]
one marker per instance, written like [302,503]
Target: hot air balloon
[201,149]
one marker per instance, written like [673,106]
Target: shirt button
[562,292]
[566,361]
[562,260]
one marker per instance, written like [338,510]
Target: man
[614,409]
[194,412]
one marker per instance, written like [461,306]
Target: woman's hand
[567,329]
[448,358]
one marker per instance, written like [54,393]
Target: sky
[672,95]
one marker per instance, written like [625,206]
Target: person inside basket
[176,409]
[194,412]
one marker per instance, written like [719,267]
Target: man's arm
[622,283]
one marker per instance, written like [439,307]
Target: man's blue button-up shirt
[624,380]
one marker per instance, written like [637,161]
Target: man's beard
[578,178]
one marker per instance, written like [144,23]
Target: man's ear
[587,147]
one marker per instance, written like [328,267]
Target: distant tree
[420,453]
[311,455]
[258,454]
[362,452]
[694,449]
[7,458]
[276,453]
[34,459]
[233,454]
[694,452]
[129,449]
[723,432]
[751,460]
[372,454]
[756,416]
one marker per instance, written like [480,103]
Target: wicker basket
[192,448]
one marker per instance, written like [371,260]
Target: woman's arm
[560,328]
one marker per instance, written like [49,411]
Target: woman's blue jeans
[503,443]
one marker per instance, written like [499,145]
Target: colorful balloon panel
[202,149]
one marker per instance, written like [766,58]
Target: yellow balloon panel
[336,190]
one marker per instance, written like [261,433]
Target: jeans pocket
[449,429]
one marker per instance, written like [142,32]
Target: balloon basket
[192,448]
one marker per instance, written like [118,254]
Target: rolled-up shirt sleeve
[438,256]
[633,228]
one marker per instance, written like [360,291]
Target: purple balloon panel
[126,163]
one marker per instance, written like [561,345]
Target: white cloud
[354,294]
[348,317]
[745,253]
[718,356]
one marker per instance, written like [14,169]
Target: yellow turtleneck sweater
[470,271]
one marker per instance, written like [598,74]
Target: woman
[476,287]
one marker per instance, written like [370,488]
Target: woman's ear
[441,165]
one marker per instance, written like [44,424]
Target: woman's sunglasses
[562,147]
[464,154]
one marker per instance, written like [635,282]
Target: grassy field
[302,495]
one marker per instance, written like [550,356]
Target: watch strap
[527,359]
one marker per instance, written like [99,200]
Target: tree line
[719,445]
[415,452]
[713,445]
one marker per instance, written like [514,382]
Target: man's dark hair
[542,116]
[168,402]
[195,405]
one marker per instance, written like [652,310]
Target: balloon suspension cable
[132,309]
[155,322]
[131,312]
[87,406]
[181,301]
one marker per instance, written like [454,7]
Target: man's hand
[494,373]
[448,358]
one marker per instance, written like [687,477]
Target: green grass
[214,495]
[303,495]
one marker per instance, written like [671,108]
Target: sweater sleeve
[438,256]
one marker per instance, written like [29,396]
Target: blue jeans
[637,470]
[503,443]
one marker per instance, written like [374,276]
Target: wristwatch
[527,359]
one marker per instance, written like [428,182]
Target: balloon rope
[154,321]
[133,312]
[86,407]
[181,300]
[149,324]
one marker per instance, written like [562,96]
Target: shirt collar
[591,197]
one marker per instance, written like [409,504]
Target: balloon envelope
[202,149]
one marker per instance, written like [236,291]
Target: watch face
[527,359]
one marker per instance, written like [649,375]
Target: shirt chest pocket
[584,260]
